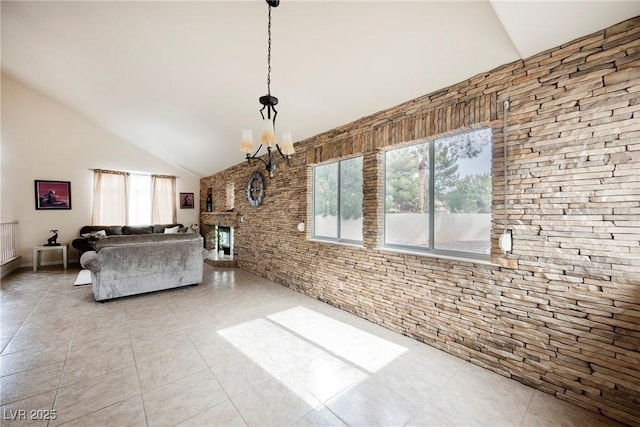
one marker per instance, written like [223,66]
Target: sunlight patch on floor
[349,343]
[311,354]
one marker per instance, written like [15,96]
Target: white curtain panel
[109,198]
[163,199]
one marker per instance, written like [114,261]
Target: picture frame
[52,195]
[186,201]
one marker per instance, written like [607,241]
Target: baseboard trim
[9,267]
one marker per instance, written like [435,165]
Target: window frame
[431,250]
[158,200]
[338,239]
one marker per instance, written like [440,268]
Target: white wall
[42,139]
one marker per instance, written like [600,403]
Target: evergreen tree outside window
[337,201]
[438,195]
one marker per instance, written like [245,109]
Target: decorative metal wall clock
[255,189]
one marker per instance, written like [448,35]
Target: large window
[438,195]
[337,201]
[122,198]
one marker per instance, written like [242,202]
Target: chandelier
[268,134]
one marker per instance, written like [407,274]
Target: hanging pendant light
[268,113]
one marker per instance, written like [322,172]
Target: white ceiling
[182,78]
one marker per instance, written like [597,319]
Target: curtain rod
[129,172]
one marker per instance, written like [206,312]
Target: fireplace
[224,240]
[217,228]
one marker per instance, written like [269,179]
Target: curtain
[109,198]
[163,195]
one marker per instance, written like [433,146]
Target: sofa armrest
[205,253]
[89,260]
[83,244]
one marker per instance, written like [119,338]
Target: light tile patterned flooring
[236,350]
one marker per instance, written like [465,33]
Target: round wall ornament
[255,189]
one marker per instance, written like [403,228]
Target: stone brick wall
[561,312]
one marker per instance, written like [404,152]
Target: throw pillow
[95,234]
[172,230]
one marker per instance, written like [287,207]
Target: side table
[43,248]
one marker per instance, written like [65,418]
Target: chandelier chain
[269,55]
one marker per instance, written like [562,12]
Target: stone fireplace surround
[208,223]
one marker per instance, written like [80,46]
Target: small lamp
[246,142]
[268,136]
[287,144]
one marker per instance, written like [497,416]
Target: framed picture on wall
[186,200]
[52,194]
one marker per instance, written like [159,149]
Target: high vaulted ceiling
[182,78]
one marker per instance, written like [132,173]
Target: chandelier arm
[266,164]
[255,155]
[285,158]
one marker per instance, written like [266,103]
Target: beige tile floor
[236,350]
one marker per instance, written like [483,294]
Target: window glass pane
[351,199]
[462,192]
[325,201]
[139,199]
[407,196]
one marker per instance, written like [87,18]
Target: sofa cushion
[142,229]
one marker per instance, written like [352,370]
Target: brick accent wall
[562,312]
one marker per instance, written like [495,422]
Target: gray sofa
[86,240]
[130,265]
